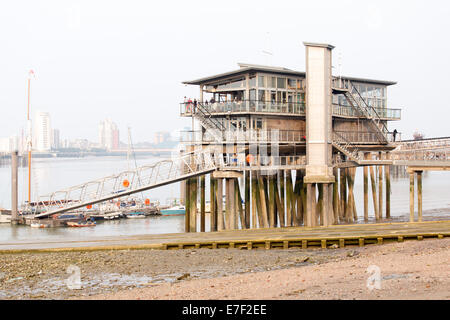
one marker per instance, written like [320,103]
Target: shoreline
[410,270]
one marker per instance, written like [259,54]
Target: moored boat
[174,211]
[135,215]
[39,225]
[80,224]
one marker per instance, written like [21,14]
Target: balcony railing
[383,113]
[357,137]
[246,106]
[250,106]
[279,136]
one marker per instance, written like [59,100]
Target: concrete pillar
[336,205]
[14,188]
[343,193]
[380,188]
[247,198]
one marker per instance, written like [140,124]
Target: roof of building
[246,68]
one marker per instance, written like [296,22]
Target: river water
[58,173]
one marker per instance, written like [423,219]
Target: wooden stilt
[202,203]
[380,188]
[309,205]
[325,215]
[212,203]
[336,205]
[193,190]
[282,207]
[330,203]
[349,212]
[240,208]
[411,196]
[343,181]
[299,197]
[247,199]
[374,192]
[320,205]
[255,201]
[187,199]
[272,203]
[387,178]
[419,196]
[262,196]
[289,195]
[219,200]
[315,215]
[366,191]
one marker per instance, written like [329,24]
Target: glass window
[259,123]
[292,83]
[261,83]
[252,95]
[261,95]
[281,83]
[252,82]
[274,82]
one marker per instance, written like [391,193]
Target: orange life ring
[126,183]
[249,158]
[89,206]
[147,202]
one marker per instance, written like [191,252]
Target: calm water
[57,173]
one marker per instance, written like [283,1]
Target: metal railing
[252,135]
[357,137]
[187,109]
[245,106]
[384,113]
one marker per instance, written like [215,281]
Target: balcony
[249,136]
[246,106]
[356,137]
[382,113]
[287,108]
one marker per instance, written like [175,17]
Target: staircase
[359,103]
[211,124]
[343,145]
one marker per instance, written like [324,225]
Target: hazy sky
[126,59]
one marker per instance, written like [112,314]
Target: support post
[419,196]
[380,188]
[202,203]
[411,196]
[14,188]
[289,196]
[212,203]
[247,198]
[335,197]
[366,191]
[187,201]
[374,193]
[387,178]
[219,199]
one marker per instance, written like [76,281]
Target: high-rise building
[55,139]
[108,134]
[42,132]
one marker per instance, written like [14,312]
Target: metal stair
[129,182]
[355,99]
[343,145]
[212,125]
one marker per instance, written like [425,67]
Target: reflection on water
[58,173]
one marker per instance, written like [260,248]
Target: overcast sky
[126,59]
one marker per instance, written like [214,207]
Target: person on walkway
[394,134]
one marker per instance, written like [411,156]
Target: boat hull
[178,212]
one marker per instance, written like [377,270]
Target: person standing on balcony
[394,134]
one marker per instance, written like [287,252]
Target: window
[261,95]
[261,83]
[292,83]
[252,82]
[274,82]
[281,83]
[259,123]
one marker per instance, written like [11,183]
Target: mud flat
[413,269]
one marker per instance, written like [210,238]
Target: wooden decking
[302,237]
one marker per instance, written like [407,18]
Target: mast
[29,138]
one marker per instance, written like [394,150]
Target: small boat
[135,215]
[38,225]
[80,224]
[174,211]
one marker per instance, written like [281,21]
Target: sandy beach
[408,270]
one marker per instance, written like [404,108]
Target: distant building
[55,139]
[161,137]
[108,134]
[42,132]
